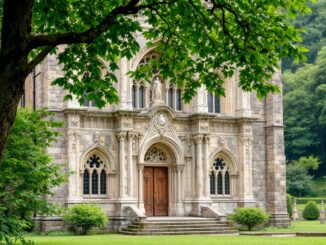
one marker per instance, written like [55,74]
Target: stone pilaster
[141,188]
[243,106]
[199,165]
[73,162]
[179,211]
[122,167]
[245,191]
[276,166]
[130,171]
[206,166]
[200,101]
[125,85]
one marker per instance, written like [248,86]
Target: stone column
[199,165]
[276,166]
[206,166]
[130,166]
[122,169]
[125,102]
[141,188]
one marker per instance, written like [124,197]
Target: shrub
[85,217]
[310,211]
[250,217]
[289,201]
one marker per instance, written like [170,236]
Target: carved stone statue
[157,89]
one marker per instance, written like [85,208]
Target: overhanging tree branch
[88,36]
[39,57]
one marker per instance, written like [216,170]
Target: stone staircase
[178,226]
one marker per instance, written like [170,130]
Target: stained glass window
[178,100]
[133,95]
[86,182]
[141,96]
[212,183]
[227,183]
[103,182]
[170,97]
[219,184]
[94,176]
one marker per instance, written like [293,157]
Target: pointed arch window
[178,100]
[227,183]
[86,182]
[212,183]
[94,183]
[220,181]
[94,176]
[170,97]
[133,95]
[141,96]
[213,103]
[103,182]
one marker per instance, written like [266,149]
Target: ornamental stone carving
[155,155]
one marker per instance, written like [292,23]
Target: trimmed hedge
[305,200]
[311,211]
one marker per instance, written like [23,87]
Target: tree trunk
[11,90]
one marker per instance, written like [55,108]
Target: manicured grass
[171,240]
[300,226]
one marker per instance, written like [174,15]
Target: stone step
[144,233]
[178,229]
[179,222]
[178,226]
[145,226]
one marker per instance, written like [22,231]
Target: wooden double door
[156,191]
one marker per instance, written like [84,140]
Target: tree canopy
[314,35]
[27,173]
[305,111]
[196,38]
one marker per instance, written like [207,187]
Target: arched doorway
[156,180]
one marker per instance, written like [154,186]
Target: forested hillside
[305,92]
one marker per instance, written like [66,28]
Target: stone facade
[230,158]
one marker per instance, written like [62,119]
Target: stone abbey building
[153,155]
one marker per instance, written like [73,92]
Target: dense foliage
[250,217]
[305,111]
[289,202]
[314,36]
[310,211]
[298,181]
[27,173]
[85,217]
[196,39]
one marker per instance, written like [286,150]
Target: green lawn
[300,226]
[170,240]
